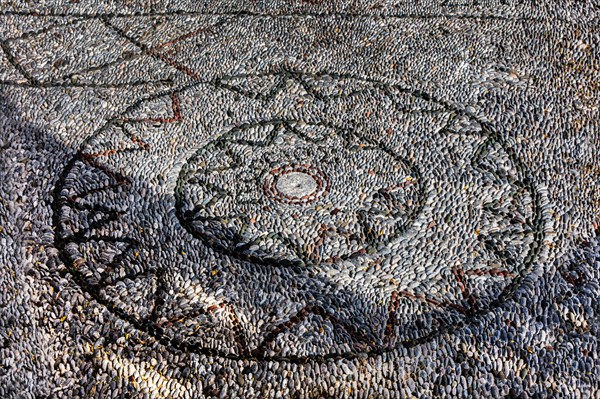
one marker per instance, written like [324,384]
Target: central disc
[296,185]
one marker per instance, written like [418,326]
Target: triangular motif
[260,87]
[327,86]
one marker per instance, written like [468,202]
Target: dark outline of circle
[162,338]
[288,199]
[275,261]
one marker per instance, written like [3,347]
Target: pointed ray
[327,86]
[175,116]
[261,87]
[357,336]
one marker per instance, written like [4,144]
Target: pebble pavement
[299,199]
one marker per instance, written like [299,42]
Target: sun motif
[291,192]
[307,220]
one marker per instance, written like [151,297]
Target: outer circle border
[158,334]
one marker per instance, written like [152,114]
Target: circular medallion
[296,216]
[253,194]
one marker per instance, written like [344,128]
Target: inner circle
[296,184]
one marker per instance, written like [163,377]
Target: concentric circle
[356,202]
[326,216]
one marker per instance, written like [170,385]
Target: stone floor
[301,199]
